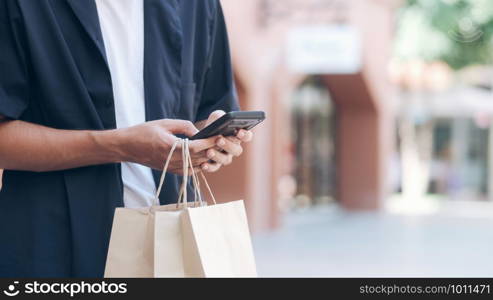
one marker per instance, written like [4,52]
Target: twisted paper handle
[187,164]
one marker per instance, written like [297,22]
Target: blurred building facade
[359,118]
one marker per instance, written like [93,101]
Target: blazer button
[108,103]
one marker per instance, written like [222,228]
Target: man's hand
[226,148]
[150,143]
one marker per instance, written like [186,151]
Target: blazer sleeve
[219,91]
[14,84]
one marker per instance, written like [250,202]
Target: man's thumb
[181,127]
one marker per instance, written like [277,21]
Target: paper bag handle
[196,183]
[165,169]
[187,161]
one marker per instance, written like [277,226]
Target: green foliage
[458,32]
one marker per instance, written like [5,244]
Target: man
[92,96]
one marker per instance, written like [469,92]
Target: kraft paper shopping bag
[219,236]
[183,239]
[130,251]
[147,242]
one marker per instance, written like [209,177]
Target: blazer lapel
[87,13]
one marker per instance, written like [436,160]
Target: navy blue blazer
[54,72]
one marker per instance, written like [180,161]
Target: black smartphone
[230,123]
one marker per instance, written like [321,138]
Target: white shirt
[122,25]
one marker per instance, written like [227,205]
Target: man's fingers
[234,139]
[244,135]
[180,127]
[219,157]
[197,162]
[198,146]
[197,159]
[208,155]
[211,167]
[229,146]
[200,160]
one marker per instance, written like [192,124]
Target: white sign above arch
[324,49]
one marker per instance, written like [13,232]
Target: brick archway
[359,143]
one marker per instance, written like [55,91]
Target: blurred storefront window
[460,159]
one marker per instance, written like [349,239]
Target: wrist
[111,144]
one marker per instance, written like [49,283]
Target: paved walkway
[453,240]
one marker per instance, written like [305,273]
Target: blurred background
[376,158]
